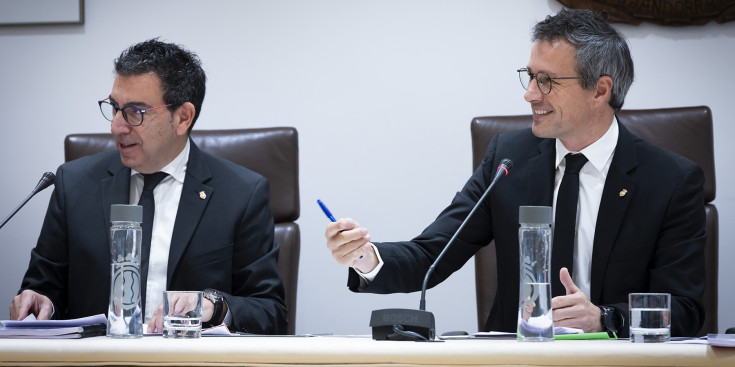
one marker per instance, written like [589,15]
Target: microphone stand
[46,181]
[422,303]
[16,210]
[419,325]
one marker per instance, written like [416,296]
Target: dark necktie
[565,221]
[150,181]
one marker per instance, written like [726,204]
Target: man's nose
[533,94]
[119,125]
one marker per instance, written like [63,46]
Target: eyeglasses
[132,115]
[543,80]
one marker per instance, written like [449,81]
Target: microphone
[46,180]
[418,325]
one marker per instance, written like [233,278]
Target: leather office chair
[272,152]
[685,130]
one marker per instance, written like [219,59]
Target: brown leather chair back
[272,152]
[685,130]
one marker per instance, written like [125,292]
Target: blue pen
[327,213]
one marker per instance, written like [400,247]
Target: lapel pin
[203,195]
[623,192]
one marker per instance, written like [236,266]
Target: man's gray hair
[600,49]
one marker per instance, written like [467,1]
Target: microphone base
[402,324]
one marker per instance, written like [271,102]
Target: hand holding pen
[329,214]
[349,242]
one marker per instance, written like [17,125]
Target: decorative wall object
[662,12]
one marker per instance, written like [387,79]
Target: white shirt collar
[177,167]
[597,153]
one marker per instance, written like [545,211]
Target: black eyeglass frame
[142,111]
[538,83]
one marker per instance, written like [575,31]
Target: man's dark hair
[180,71]
[600,49]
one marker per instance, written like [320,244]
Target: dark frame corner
[20,13]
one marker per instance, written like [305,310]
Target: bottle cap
[534,214]
[126,213]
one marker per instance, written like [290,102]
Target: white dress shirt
[166,197]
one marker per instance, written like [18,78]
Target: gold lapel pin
[202,195]
[623,192]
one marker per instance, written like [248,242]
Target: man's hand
[155,324]
[181,303]
[575,309]
[350,245]
[28,302]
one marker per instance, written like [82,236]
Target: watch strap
[610,319]
[216,298]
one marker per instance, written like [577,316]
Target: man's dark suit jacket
[223,241]
[651,239]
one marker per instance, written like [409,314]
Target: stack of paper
[721,340]
[54,329]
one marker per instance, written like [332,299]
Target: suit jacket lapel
[540,174]
[115,189]
[195,196]
[613,206]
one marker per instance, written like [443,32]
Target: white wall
[381,92]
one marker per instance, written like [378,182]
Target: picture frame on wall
[41,12]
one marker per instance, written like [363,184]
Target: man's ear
[183,117]
[603,89]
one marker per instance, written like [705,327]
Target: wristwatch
[216,297]
[610,319]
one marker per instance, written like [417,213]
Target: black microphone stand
[46,181]
[419,325]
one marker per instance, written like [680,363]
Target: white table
[353,351]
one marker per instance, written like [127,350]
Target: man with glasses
[211,228]
[639,221]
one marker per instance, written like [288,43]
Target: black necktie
[565,221]
[150,181]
